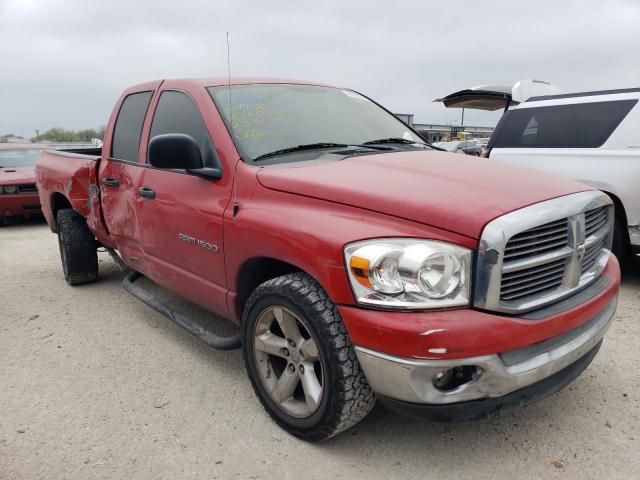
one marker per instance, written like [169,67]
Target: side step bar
[211,339]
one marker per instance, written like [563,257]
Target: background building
[438,132]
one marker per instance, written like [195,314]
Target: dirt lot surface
[94,384]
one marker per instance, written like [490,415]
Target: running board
[211,339]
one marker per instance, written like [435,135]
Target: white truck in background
[592,137]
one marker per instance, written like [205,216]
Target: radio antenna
[236,206]
[229,73]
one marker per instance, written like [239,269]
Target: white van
[591,137]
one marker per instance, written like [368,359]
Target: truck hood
[17,175]
[459,193]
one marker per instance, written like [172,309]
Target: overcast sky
[64,62]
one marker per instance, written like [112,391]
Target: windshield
[267,118]
[18,158]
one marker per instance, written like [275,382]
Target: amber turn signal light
[360,270]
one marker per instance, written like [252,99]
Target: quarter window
[581,125]
[126,134]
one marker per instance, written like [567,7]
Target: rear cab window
[128,128]
[580,125]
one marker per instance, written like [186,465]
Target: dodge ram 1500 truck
[359,262]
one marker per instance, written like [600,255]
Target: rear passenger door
[119,172]
[180,214]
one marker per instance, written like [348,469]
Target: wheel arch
[620,247]
[58,202]
[254,272]
[619,207]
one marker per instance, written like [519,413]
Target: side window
[579,125]
[176,113]
[126,134]
[530,134]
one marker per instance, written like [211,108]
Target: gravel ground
[94,384]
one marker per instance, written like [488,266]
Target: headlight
[409,273]
[10,189]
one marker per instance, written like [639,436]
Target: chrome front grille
[595,235]
[535,241]
[594,220]
[524,282]
[542,253]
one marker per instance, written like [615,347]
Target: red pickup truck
[360,262]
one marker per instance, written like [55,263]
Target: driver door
[181,214]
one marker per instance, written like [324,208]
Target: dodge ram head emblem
[581,248]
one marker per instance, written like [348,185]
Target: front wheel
[301,363]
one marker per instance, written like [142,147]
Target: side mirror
[180,151]
[174,150]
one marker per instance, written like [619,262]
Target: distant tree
[7,137]
[59,134]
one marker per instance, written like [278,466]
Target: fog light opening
[456,377]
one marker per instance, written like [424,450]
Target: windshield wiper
[402,140]
[390,140]
[299,148]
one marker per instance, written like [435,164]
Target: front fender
[310,234]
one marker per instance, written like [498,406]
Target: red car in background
[18,192]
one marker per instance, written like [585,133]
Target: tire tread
[80,248]
[354,399]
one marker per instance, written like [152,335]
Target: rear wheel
[78,248]
[301,363]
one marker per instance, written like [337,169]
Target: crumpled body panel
[74,177]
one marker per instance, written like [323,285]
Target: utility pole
[37,133]
[462,123]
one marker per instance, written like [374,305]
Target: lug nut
[291,368]
[291,342]
[285,351]
[301,369]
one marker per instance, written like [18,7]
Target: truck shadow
[112,275]
[407,441]
[630,268]
[15,222]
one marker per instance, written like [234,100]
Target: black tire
[346,397]
[78,248]
[621,247]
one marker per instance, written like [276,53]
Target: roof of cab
[583,94]
[221,81]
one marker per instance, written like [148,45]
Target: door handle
[147,192]
[110,182]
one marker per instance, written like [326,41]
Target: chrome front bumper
[411,380]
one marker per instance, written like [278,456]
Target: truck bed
[67,179]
